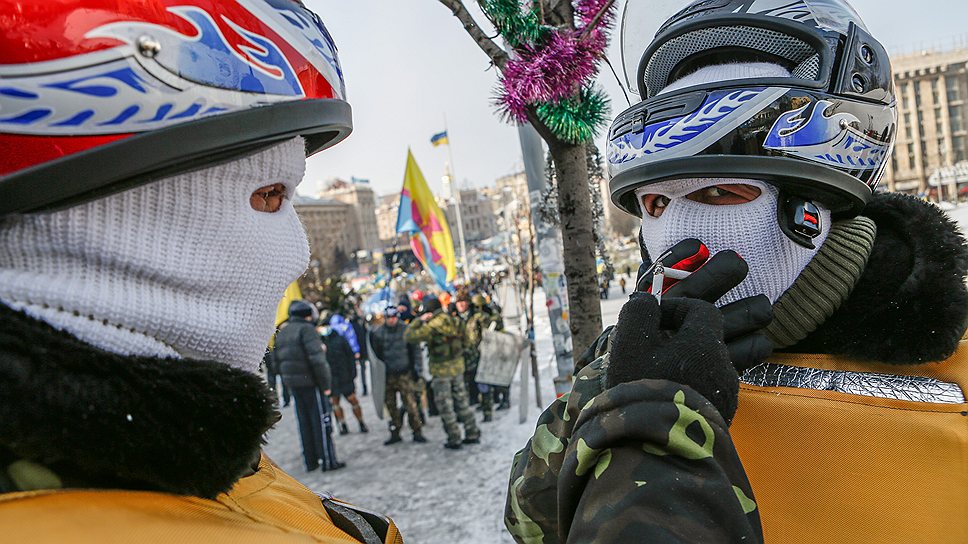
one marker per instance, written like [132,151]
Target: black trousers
[308,416]
[273,378]
[328,450]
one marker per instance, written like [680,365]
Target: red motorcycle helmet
[98,96]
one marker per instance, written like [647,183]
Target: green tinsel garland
[518,27]
[576,120]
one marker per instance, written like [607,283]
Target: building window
[917,96]
[910,154]
[953,89]
[958,143]
[954,118]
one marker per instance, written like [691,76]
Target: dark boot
[394,438]
[453,445]
[488,418]
[364,428]
[419,437]
[343,429]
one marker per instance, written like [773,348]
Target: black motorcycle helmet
[824,134]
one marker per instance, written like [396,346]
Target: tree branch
[497,55]
[597,19]
[560,13]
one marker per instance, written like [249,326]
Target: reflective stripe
[868,384]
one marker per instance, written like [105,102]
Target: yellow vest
[269,507]
[830,467]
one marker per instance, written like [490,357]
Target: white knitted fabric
[727,72]
[181,267]
[750,229]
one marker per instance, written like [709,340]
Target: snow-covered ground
[433,494]
[960,214]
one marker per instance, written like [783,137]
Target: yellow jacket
[268,507]
[830,467]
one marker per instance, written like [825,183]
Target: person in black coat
[299,358]
[342,362]
[360,328]
[273,378]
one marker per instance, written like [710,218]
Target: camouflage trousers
[402,384]
[450,394]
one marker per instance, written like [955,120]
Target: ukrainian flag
[439,139]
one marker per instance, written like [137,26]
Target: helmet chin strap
[799,219]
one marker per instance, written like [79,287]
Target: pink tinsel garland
[557,68]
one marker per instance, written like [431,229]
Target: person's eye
[654,205]
[726,195]
[714,192]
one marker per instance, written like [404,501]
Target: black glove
[711,278]
[681,342]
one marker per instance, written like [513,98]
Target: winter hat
[391,311]
[182,267]
[300,309]
[751,229]
[431,304]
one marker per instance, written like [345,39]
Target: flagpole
[460,220]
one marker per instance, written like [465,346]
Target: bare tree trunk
[575,211]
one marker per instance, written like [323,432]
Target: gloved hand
[711,278]
[681,342]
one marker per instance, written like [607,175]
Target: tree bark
[575,211]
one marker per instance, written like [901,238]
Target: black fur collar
[102,420]
[911,304]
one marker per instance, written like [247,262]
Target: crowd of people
[428,349]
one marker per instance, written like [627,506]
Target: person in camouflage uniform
[444,336]
[399,356]
[475,322]
[639,450]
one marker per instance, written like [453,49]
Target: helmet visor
[641,20]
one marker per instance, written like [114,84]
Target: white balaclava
[750,229]
[182,267]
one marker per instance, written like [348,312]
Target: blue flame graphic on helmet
[254,65]
[684,136]
[816,133]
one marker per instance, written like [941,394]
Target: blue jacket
[345,329]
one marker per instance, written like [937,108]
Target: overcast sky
[409,65]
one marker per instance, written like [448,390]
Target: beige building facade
[360,196]
[932,131]
[476,212]
[330,225]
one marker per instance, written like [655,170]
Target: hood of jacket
[910,305]
[102,420]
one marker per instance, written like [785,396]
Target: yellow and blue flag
[421,218]
[439,139]
[282,311]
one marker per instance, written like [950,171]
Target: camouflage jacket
[474,324]
[444,336]
[645,461]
